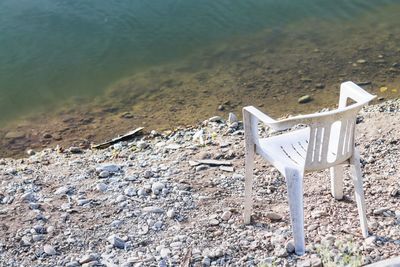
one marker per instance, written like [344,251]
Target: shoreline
[144,202]
[265,69]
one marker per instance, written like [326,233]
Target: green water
[52,50]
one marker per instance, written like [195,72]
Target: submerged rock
[305,99]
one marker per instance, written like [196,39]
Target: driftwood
[210,162]
[124,137]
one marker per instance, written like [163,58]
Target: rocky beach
[174,198]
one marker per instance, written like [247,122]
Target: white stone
[226,215]
[157,187]
[130,191]
[49,250]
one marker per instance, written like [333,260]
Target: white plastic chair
[326,142]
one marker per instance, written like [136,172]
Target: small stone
[394,192]
[142,144]
[153,209]
[213,222]
[304,99]
[120,198]
[221,108]
[28,197]
[280,252]
[226,215]
[116,241]
[206,262]
[304,263]
[82,202]
[361,61]
[102,187]
[274,216]
[171,213]
[316,262]
[164,253]
[49,250]
[141,192]
[104,174]
[216,119]
[40,229]
[232,118]
[130,191]
[87,258]
[157,187]
[290,247]
[14,135]
[370,241]
[63,190]
[226,168]
[380,211]
[111,168]
[75,150]
[25,241]
[201,167]
[30,152]
[147,174]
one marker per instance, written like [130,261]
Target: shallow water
[91,70]
[51,49]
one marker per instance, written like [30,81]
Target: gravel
[169,198]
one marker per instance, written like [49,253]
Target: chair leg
[294,181]
[337,181]
[359,192]
[248,186]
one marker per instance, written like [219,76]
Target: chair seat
[286,150]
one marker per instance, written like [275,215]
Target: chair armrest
[251,117]
[355,92]
[259,115]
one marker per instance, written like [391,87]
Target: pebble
[171,213]
[111,168]
[141,192]
[232,118]
[157,187]
[226,215]
[49,250]
[116,241]
[274,216]
[290,246]
[104,174]
[102,187]
[164,253]
[62,190]
[153,209]
[304,99]
[380,211]
[87,258]
[142,144]
[370,240]
[130,191]
[28,197]
[30,152]
[213,222]
[75,150]
[216,119]
[201,167]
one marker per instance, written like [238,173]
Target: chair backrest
[331,134]
[331,138]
